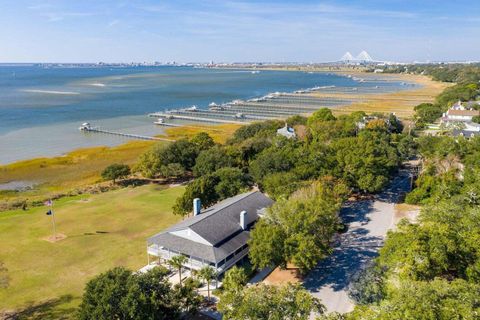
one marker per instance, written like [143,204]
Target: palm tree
[208,274]
[177,262]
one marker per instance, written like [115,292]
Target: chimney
[197,206]
[243,219]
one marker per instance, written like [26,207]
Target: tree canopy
[299,230]
[116,171]
[121,294]
[159,160]
[263,302]
[430,268]
[210,188]
[323,114]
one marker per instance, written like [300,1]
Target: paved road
[369,221]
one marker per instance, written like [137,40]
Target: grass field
[103,231]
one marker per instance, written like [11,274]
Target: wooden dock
[193,118]
[126,135]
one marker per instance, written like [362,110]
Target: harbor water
[42,108]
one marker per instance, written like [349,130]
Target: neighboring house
[362,124]
[287,132]
[459,113]
[472,126]
[465,133]
[365,120]
[215,236]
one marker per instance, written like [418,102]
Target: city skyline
[236,31]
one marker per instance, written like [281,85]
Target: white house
[287,132]
[459,113]
[216,236]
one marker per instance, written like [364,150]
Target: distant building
[459,113]
[215,236]
[287,132]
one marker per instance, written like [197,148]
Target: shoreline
[55,150]
[39,171]
[47,176]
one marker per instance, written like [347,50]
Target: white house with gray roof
[216,236]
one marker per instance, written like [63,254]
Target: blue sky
[230,30]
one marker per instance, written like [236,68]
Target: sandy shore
[401,102]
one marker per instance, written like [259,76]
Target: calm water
[41,109]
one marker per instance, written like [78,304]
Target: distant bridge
[361,57]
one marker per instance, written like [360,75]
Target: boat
[255,72]
[217,108]
[85,127]
[192,108]
[161,122]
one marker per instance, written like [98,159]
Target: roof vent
[197,206]
[243,220]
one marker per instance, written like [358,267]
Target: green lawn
[103,231]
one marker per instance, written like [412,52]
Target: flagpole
[53,222]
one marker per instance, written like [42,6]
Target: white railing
[192,263]
[237,257]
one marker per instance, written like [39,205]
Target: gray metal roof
[219,225]
[465,133]
[199,250]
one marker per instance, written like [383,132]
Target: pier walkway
[127,135]
[194,118]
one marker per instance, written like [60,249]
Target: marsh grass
[61,174]
[219,133]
